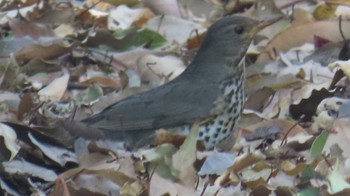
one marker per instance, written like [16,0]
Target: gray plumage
[197,94]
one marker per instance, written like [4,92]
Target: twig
[284,140]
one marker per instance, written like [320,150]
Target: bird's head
[233,33]
[225,44]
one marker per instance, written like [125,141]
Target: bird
[210,91]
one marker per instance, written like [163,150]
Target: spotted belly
[227,110]
[220,127]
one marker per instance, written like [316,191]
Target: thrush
[210,90]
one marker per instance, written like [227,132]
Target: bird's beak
[266,22]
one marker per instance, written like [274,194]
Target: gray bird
[211,90]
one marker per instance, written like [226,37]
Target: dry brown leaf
[22,28]
[25,105]
[54,14]
[246,160]
[102,81]
[195,41]
[44,51]
[340,2]
[293,169]
[296,35]
[98,161]
[163,136]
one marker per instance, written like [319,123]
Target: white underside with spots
[221,127]
[231,106]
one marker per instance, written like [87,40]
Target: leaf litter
[69,60]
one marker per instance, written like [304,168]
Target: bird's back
[178,103]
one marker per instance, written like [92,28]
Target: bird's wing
[174,104]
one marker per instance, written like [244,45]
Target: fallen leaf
[122,17]
[10,140]
[297,35]
[21,167]
[318,144]
[50,50]
[216,163]
[55,90]
[184,158]
[336,180]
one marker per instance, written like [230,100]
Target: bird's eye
[239,29]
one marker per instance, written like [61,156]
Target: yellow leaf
[324,11]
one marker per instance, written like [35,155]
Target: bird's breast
[226,111]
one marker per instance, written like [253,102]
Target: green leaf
[121,33]
[122,2]
[309,192]
[138,37]
[310,173]
[89,96]
[160,159]
[151,38]
[318,144]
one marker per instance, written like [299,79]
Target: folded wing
[174,104]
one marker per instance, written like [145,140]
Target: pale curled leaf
[10,139]
[173,28]
[123,17]
[154,69]
[27,168]
[8,189]
[343,65]
[184,158]
[55,90]
[337,181]
[59,155]
[217,163]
